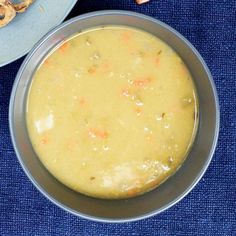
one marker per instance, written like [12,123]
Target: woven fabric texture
[210,209]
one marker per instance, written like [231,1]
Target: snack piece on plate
[8,10]
[21,7]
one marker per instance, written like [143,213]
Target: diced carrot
[92,70]
[142,82]
[153,182]
[138,111]
[44,140]
[126,36]
[47,61]
[105,67]
[96,133]
[103,134]
[157,61]
[183,70]
[149,138]
[82,101]
[64,47]
[125,92]
[132,192]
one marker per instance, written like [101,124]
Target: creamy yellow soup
[112,112]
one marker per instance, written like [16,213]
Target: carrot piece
[183,70]
[96,133]
[103,134]
[82,101]
[149,138]
[44,140]
[64,47]
[125,92]
[132,192]
[47,61]
[126,36]
[105,67]
[141,82]
[138,111]
[92,70]
[153,182]
[157,61]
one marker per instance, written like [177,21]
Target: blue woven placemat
[210,209]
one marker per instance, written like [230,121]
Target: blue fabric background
[210,209]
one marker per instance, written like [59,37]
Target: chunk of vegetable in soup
[112,112]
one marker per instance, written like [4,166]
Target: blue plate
[20,35]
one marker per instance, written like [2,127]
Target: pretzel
[8,10]
[141,1]
[21,7]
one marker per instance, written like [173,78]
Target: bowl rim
[11,116]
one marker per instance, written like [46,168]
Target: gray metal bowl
[172,190]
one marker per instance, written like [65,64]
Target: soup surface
[111,112]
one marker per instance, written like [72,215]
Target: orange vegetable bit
[142,82]
[153,182]
[44,140]
[126,36]
[82,101]
[64,46]
[132,192]
[183,70]
[149,138]
[106,66]
[157,61]
[126,92]
[97,133]
[92,70]
[138,111]
[47,62]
